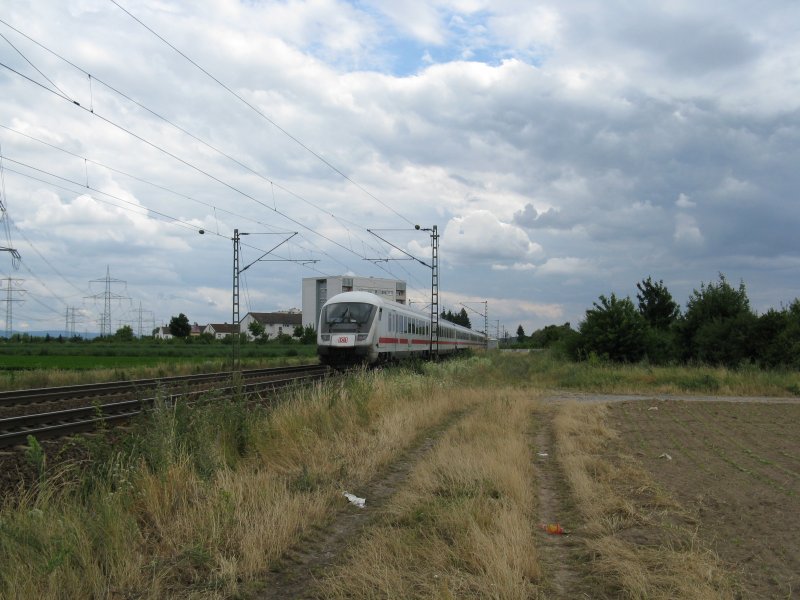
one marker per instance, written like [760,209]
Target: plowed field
[736,467]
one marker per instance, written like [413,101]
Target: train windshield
[347,317]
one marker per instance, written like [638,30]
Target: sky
[563,150]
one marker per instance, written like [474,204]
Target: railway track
[115,402]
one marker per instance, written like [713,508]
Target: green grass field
[41,364]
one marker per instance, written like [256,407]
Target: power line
[47,262]
[108,295]
[339,220]
[158,186]
[60,94]
[262,115]
[12,287]
[181,160]
[143,210]
[50,81]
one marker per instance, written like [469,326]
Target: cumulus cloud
[91,220]
[482,236]
[687,232]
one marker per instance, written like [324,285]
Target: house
[274,323]
[162,333]
[196,330]
[220,330]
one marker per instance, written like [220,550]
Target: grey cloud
[549,219]
[690,46]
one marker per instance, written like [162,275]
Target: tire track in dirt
[304,564]
[558,553]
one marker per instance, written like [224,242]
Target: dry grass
[463,527]
[639,543]
[161,526]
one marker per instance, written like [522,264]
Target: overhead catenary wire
[192,166]
[179,159]
[261,114]
[163,188]
[61,94]
[37,69]
[135,208]
[340,220]
[47,262]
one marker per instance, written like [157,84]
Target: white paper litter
[359,502]
[653,408]
[543,454]
[665,455]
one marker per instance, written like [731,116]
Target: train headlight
[325,337]
[361,337]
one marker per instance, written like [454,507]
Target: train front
[344,335]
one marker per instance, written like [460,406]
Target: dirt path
[564,396]
[302,565]
[556,552]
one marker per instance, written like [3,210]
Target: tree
[179,326]
[550,334]
[124,334]
[459,318]
[520,334]
[256,329]
[718,324]
[309,335]
[613,329]
[656,304]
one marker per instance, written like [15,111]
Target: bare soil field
[735,467]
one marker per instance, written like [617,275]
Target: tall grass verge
[638,541]
[198,501]
[545,370]
[463,526]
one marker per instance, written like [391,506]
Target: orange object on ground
[552,528]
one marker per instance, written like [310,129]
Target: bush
[613,329]
[717,324]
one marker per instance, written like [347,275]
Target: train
[363,328]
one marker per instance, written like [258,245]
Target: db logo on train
[343,339]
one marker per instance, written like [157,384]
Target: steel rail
[15,430]
[40,395]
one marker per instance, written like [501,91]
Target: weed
[36,457]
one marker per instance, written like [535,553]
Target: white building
[162,333]
[275,323]
[317,290]
[220,330]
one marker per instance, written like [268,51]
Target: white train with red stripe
[360,327]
